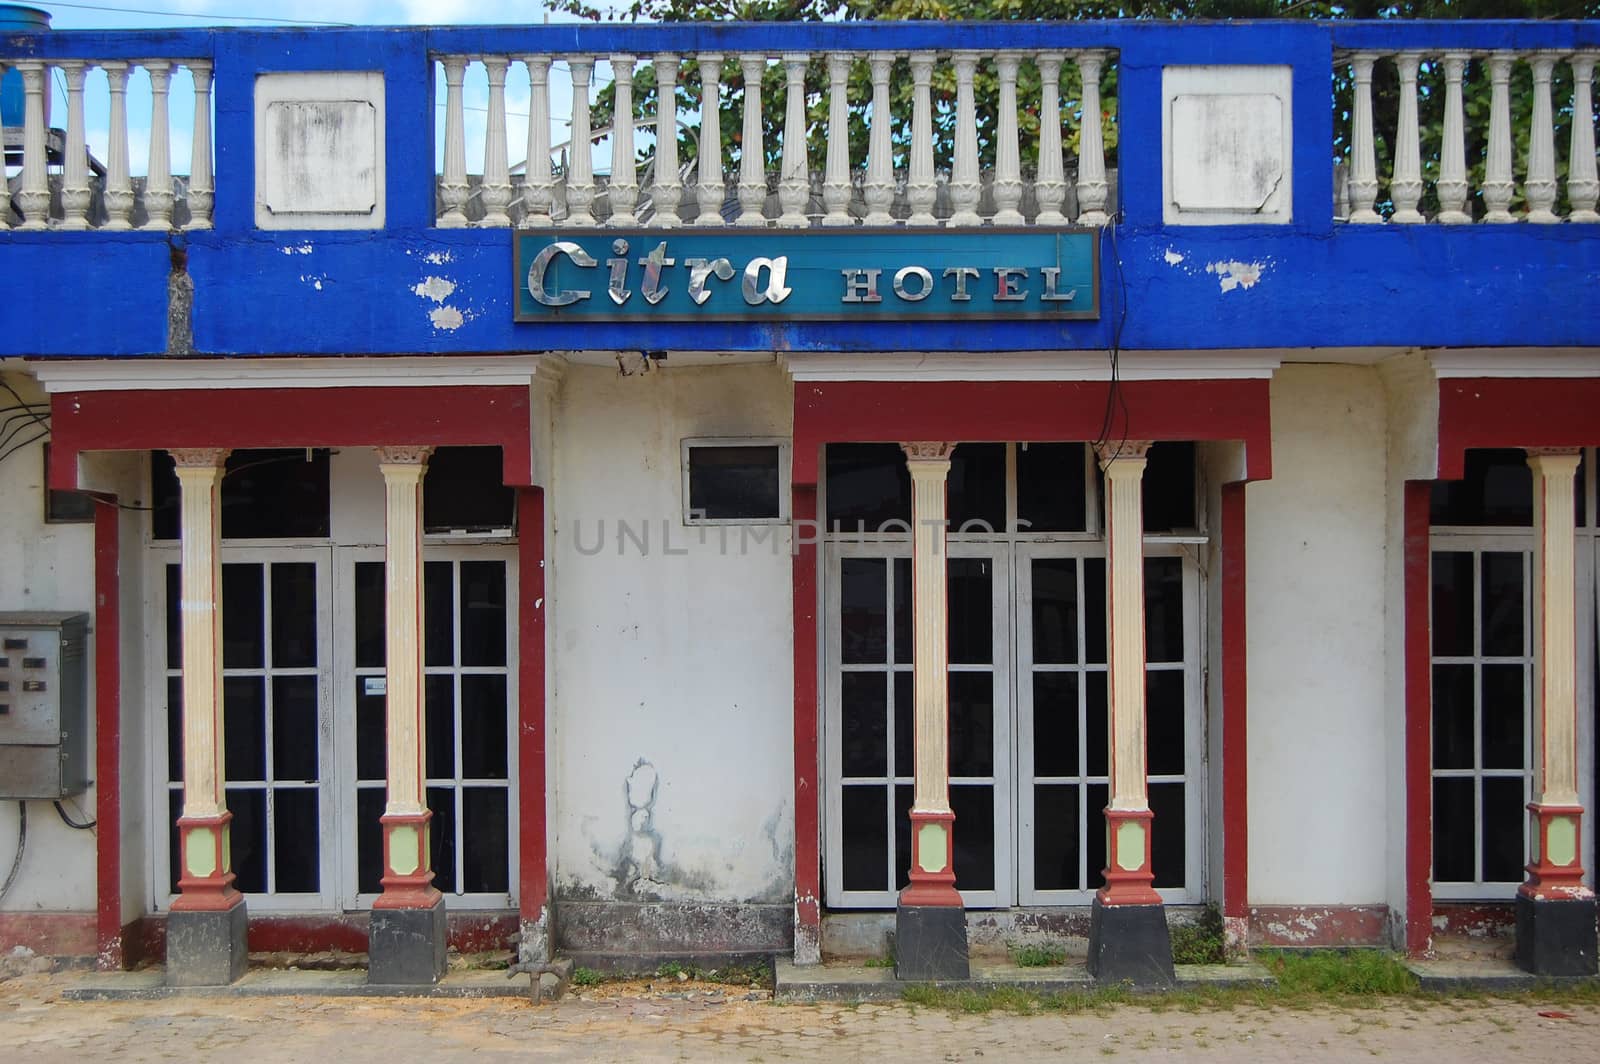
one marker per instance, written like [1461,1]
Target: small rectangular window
[64,507]
[462,491]
[728,481]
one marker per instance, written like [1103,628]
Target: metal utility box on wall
[44,717]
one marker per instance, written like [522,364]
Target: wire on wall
[22,845]
[1116,399]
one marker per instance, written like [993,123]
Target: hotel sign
[841,275]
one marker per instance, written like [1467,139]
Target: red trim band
[532,607]
[109,954]
[1235,715]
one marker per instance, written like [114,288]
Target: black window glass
[734,482]
[1496,490]
[1050,478]
[868,485]
[266,494]
[462,491]
[1168,488]
[976,499]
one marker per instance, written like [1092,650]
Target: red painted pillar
[807,769]
[533,606]
[1235,719]
[109,954]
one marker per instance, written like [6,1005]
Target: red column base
[212,891]
[1125,885]
[937,887]
[405,843]
[1549,881]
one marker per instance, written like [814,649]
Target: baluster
[580,172]
[5,183]
[1007,158]
[158,180]
[1541,186]
[667,190]
[752,152]
[794,183]
[1092,191]
[1363,183]
[1583,186]
[1050,186]
[964,182]
[34,199]
[538,188]
[202,185]
[118,194]
[624,184]
[1452,186]
[1498,185]
[711,191]
[496,191]
[878,189]
[836,178]
[75,169]
[453,188]
[1405,185]
[922,189]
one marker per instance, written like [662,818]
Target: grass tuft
[1202,942]
[1038,956]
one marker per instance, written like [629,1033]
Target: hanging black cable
[71,823]
[22,843]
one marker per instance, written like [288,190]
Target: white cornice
[170,374]
[1516,362]
[1032,366]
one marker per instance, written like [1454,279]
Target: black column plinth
[1556,937]
[406,947]
[206,947]
[930,942]
[1130,944]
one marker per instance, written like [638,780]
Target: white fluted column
[34,198]
[75,167]
[1540,188]
[496,190]
[711,191]
[623,188]
[1452,186]
[1583,185]
[667,190]
[538,186]
[1007,154]
[158,176]
[202,183]
[1050,185]
[794,178]
[836,175]
[1406,186]
[877,191]
[965,185]
[580,158]
[1363,184]
[453,185]
[1498,183]
[1093,191]
[752,151]
[118,194]
[922,189]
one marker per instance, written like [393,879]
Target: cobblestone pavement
[702,1023]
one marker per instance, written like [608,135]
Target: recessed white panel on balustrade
[1228,138]
[320,150]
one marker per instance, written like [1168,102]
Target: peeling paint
[437,289]
[1172,257]
[447,318]
[296,249]
[313,279]
[1234,274]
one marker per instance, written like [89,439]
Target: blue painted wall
[1308,284]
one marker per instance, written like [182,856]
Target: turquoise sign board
[896,274]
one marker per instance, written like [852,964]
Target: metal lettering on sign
[812,275]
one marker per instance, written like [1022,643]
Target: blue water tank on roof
[14,17]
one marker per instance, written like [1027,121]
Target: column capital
[1552,461]
[928,451]
[1123,453]
[200,457]
[404,455]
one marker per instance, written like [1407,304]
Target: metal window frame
[691,443]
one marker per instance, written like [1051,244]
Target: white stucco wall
[672,764]
[1316,597]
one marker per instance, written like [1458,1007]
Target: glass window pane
[1094,610]
[1167,834]
[905,734]
[1163,609]
[1503,602]
[1455,818]
[294,728]
[371,733]
[1504,822]
[863,610]
[296,842]
[175,729]
[174,617]
[294,615]
[1452,716]
[971,610]
[1163,692]
[275,494]
[971,724]
[1496,490]
[1168,488]
[462,491]
[1055,837]
[865,843]
[369,839]
[248,835]
[1096,797]
[244,721]
[174,848]
[1055,724]
[974,836]
[902,836]
[1055,610]
[864,734]
[1452,604]
[439,749]
[976,495]
[734,481]
[483,727]
[867,486]
[1504,710]
[164,502]
[904,620]
[243,617]
[438,609]
[1097,723]
[486,861]
[369,610]
[1050,487]
[483,613]
[442,836]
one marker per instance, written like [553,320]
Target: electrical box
[44,713]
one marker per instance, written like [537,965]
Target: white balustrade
[965,185]
[1540,187]
[34,199]
[1406,188]
[202,190]
[1498,186]
[752,152]
[1007,160]
[794,183]
[877,191]
[1363,186]
[5,184]
[922,189]
[1050,186]
[496,170]
[580,171]
[1093,191]
[623,187]
[158,174]
[836,178]
[1583,187]
[453,188]
[711,190]
[1452,185]
[75,191]
[668,188]
[538,186]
